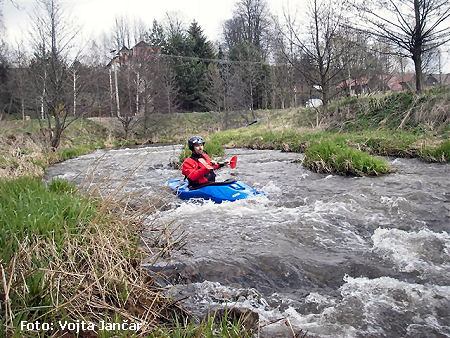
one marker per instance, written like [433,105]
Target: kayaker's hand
[205,164]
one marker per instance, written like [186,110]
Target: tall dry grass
[91,274]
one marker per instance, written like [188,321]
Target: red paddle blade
[233,162]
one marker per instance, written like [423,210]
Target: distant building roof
[353,82]
[141,50]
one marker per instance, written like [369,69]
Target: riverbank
[347,153]
[70,260]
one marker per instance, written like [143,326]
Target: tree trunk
[55,134]
[74,93]
[111,99]
[417,58]
[417,47]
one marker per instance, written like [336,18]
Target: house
[142,51]
[392,82]
[441,79]
[354,87]
[400,82]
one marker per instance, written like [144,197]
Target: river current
[334,256]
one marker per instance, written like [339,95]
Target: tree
[190,54]
[411,27]
[4,94]
[252,19]
[156,36]
[52,68]
[127,33]
[18,80]
[247,40]
[318,55]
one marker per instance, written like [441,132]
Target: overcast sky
[97,16]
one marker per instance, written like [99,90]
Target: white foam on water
[392,202]
[370,306]
[424,251]
[313,219]
[66,176]
[271,188]
[317,298]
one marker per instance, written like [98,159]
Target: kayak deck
[218,192]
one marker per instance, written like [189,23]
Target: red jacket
[196,172]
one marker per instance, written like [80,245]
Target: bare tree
[411,27]
[52,67]
[319,48]
[253,18]
[127,33]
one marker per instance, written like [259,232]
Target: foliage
[405,110]
[69,257]
[213,326]
[191,72]
[59,185]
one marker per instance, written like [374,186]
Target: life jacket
[196,172]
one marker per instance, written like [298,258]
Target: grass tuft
[329,157]
[440,153]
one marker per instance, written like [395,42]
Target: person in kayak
[199,168]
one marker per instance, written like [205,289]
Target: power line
[220,61]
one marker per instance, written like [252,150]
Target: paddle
[233,162]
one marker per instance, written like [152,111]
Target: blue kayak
[218,192]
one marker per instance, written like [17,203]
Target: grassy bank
[68,257]
[331,149]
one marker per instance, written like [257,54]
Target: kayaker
[199,168]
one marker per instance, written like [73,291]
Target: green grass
[214,326]
[29,208]
[329,157]
[31,212]
[346,153]
[440,153]
[388,111]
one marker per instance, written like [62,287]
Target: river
[334,256]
